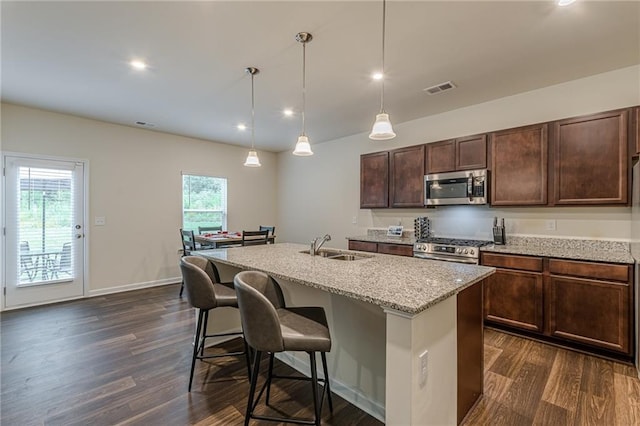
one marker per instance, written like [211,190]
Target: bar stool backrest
[198,282]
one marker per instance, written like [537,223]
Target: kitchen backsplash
[602,223]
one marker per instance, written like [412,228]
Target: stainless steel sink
[338,254]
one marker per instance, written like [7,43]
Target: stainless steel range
[449,249]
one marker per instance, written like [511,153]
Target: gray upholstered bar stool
[271,327]
[206,292]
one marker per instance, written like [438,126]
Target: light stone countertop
[406,284]
[574,249]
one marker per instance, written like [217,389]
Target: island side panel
[470,348]
[411,401]
[356,362]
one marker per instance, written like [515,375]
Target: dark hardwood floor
[532,383]
[125,358]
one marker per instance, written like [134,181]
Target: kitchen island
[396,323]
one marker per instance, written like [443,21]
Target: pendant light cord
[304,87]
[384,16]
[253,117]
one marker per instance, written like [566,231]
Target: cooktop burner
[455,242]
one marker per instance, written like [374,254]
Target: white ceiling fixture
[252,159]
[303,148]
[377,76]
[138,64]
[565,2]
[288,112]
[382,129]
[242,127]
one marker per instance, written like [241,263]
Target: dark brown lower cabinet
[591,312]
[385,248]
[565,301]
[470,348]
[515,299]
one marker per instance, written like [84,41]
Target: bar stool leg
[314,384]
[271,355]
[252,388]
[248,357]
[196,344]
[326,380]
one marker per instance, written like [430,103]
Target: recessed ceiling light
[241,126]
[138,65]
[377,76]
[288,112]
[565,2]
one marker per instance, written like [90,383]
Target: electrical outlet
[423,367]
[550,225]
[100,221]
[354,220]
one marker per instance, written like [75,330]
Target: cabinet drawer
[590,270]
[524,263]
[363,246]
[397,249]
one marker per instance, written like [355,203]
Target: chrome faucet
[315,247]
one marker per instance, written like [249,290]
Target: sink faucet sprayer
[315,246]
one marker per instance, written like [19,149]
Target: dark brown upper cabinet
[374,180]
[519,170]
[590,159]
[468,153]
[406,177]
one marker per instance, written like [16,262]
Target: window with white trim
[204,202]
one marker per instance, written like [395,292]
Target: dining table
[226,239]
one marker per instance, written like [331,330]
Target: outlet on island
[550,224]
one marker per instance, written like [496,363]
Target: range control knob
[471,251]
[466,251]
[458,251]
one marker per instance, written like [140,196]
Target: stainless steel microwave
[456,188]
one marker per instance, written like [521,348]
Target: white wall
[135,182]
[320,194]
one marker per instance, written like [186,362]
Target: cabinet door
[374,180]
[590,159]
[591,312]
[514,298]
[471,153]
[363,246]
[441,157]
[407,177]
[519,166]
[397,249]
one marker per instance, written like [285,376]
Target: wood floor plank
[563,385]
[548,414]
[627,399]
[594,410]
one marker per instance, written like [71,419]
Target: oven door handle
[446,259]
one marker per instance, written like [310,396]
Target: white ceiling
[73,57]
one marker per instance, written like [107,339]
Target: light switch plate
[100,221]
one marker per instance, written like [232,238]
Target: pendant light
[302,146]
[252,159]
[382,129]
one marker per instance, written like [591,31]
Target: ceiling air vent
[438,88]
[145,124]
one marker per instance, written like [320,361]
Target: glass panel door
[44,230]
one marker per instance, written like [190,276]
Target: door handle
[78,236]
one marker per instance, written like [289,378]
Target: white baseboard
[134,286]
[351,395]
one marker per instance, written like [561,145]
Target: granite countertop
[593,250]
[384,239]
[405,284]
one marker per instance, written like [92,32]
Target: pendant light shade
[382,129]
[252,159]
[303,148]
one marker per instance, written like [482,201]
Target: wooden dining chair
[271,229]
[204,229]
[188,245]
[256,237]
